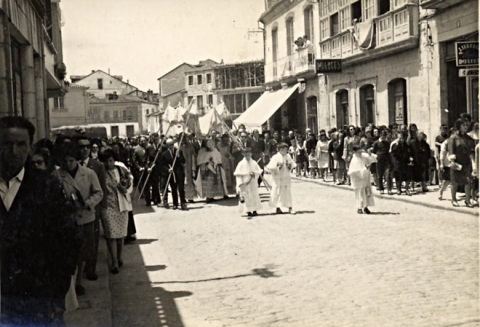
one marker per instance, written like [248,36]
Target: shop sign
[467,72]
[466,53]
[328,66]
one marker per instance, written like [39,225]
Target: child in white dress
[360,176]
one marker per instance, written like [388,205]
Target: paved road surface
[405,265]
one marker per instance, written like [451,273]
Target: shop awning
[264,108]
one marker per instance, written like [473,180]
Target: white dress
[321,151]
[360,177]
[281,193]
[247,185]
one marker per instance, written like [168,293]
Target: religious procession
[204,159]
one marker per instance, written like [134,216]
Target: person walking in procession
[280,166]
[360,178]
[247,174]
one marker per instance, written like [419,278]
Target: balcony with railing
[393,31]
[300,62]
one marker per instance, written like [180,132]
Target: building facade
[71,109]
[101,84]
[397,58]
[31,60]
[239,85]
[200,85]
[171,86]
[288,63]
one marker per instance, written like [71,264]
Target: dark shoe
[114,271]
[226,197]
[455,203]
[209,200]
[249,214]
[184,206]
[366,211]
[120,264]
[279,211]
[424,189]
[148,204]
[190,201]
[255,213]
[175,207]
[92,276]
[79,290]
[130,240]
[468,204]
[359,211]
[166,205]
[159,205]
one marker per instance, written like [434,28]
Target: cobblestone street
[404,265]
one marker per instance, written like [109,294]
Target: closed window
[209,78]
[115,114]
[370,9]
[210,99]
[100,84]
[333,4]
[190,99]
[290,36]
[274,44]
[190,80]
[58,103]
[114,131]
[199,79]
[325,29]
[323,8]
[334,24]
[106,114]
[199,101]
[345,20]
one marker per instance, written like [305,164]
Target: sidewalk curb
[95,307]
[473,212]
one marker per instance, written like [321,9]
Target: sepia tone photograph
[239,163]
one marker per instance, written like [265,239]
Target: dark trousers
[131,229]
[91,263]
[26,311]
[384,168]
[400,177]
[146,191]
[177,184]
[154,179]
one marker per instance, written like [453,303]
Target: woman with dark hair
[321,152]
[412,132]
[339,163]
[45,144]
[41,160]
[460,147]
[119,183]
[400,159]
[83,189]
[421,154]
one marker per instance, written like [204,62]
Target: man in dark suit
[177,180]
[140,164]
[39,235]
[99,169]
[153,159]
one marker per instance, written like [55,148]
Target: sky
[144,39]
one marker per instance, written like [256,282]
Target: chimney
[93,71]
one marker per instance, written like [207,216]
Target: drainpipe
[6,90]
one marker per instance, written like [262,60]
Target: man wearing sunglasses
[84,145]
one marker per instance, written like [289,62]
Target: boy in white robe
[280,166]
[247,174]
[360,176]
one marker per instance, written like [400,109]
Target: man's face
[290,134]
[275,135]
[267,136]
[143,141]
[225,140]
[243,137]
[247,155]
[14,149]
[156,139]
[256,134]
[69,163]
[84,146]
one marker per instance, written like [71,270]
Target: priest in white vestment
[247,174]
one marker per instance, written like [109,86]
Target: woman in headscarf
[209,177]
[280,166]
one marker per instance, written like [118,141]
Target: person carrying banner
[247,174]
[168,165]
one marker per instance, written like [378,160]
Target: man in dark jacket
[177,180]
[39,237]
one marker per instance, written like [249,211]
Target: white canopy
[262,109]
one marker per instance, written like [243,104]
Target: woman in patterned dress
[115,218]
